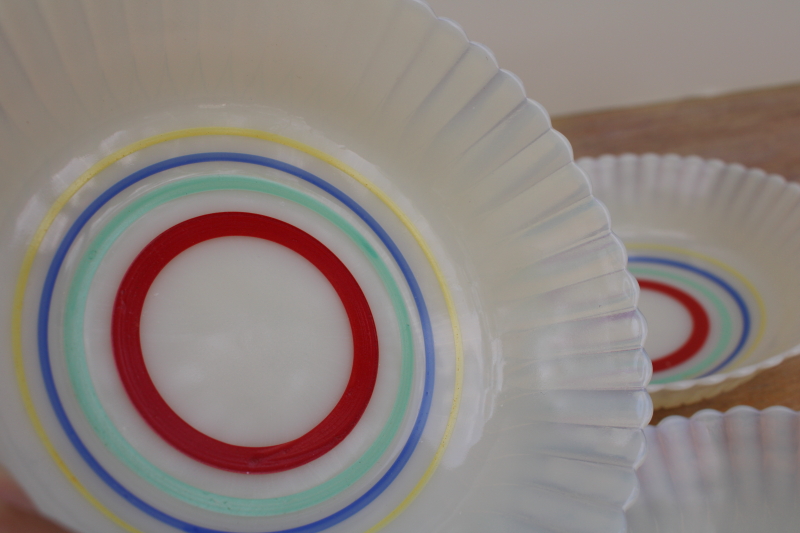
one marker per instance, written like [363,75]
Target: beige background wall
[579,55]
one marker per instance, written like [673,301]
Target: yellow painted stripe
[83,179]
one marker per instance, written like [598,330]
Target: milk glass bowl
[735,473]
[716,249]
[302,266]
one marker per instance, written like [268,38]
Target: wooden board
[757,129]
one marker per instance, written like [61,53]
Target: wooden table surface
[757,129]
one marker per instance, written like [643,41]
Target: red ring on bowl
[171,427]
[700,325]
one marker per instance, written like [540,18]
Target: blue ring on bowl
[740,303]
[58,408]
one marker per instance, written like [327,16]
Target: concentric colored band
[700,325]
[740,303]
[725,322]
[126,342]
[759,302]
[90,403]
[47,375]
[95,206]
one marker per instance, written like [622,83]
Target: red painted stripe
[700,325]
[171,427]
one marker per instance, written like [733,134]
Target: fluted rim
[732,471]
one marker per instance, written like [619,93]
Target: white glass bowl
[492,324]
[733,472]
[716,249]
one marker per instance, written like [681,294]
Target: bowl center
[246,341]
[669,324]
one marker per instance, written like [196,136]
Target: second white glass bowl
[716,250]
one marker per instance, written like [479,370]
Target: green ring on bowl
[86,394]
